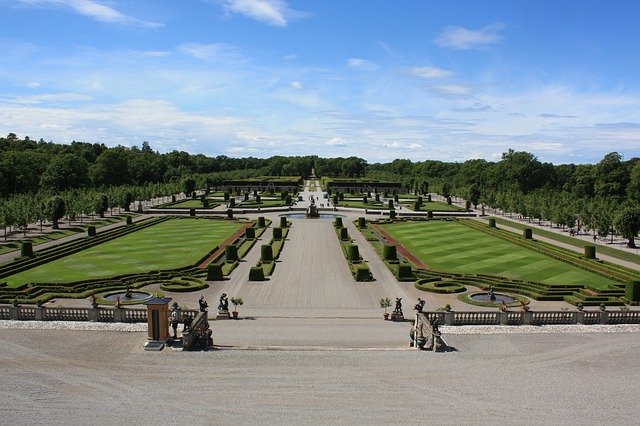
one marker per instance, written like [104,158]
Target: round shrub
[527,233]
[362,222]
[590,252]
[26,249]
[277,233]
[632,291]
[250,233]
[344,234]
[91,231]
[256,273]
[184,284]
[338,222]
[266,253]
[443,287]
[353,253]
[231,253]
[389,252]
[214,272]
[261,222]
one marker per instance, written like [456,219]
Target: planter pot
[386,316]
[235,315]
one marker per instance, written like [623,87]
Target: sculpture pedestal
[397,316]
[223,315]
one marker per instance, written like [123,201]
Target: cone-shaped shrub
[26,249]
[362,273]
[527,233]
[261,222]
[229,214]
[389,252]
[192,212]
[129,220]
[256,273]
[266,253]
[344,234]
[283,222]
[250,233]
[390,204]
[590,252]
[492,223]
[232,202]
[338,222]
[226,196]
[91,231]
[214,272]
[353,253]
[362,222]
[430,214]
[404,272]
[277,233]
[392,214]
[231,252]
[632,291]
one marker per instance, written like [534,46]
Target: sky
[448,80]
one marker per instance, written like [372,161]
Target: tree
[55,210]
[188,186]
[65,172]
[627,223]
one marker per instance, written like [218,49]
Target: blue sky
[421,79]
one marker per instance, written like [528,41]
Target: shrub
[362,222]
[492,223]
[392,214]
[205,203]
[430,214]
[277,233]
[250,233]
[229,214]
[231,252]
[389,252]
[232,202]
[404,272]
[353,253]
[226,196]
[632,291]
[362,273]
[192,212]
[129,220]
[266,253]
[390,204]
[449,200]
[527,233]
[214,272]
[338,222]
[344,234]
[256,273]
[283,222]
[91,231]
[590,252]
[364,199]
[26,249]
[258,198]
[261,222]
[184,284]
[287,200]
[416,205]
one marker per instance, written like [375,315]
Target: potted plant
[385,302]
[237,301]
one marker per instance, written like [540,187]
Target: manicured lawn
[252,204]
[167,245]
[186,204]
[360,205]
[452,247]
[436,206]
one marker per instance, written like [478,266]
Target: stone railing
[535,318]
[42,313]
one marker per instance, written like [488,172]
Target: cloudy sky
[419,79]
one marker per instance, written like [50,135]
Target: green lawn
[252,204]
[436,206]
[371,204]
[167,245]
[186,204]
[452,247]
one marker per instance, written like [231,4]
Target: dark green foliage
[467,205]
[283,222]
[449,200]
[632,291]
[184,284]
[392,214]
[229,214]
[287,200]
[266,253]
[344,234]
[258,198]
[232,202]
[261,222]
[430,214]
[246,196]
[362,273]
[492,222]
[416,205]
[364,199]
[56,209]
[226,196]
[205,203]
[377,197]
[352,253]
[362,222]
[338,222]
[527,233]
[277,233]
[91,231]
[26,249]
[250,233]
[395,197]
[429,198]
[334,200]
[231,253]
[214,272]
[389,252]
[256,273]
[590,252]
[390,204]
[404,272]
[192,212]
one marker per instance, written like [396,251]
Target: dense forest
[38,176]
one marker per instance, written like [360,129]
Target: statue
[398,308]
[203,304]
[492,295]
[224,303]
[174,317]
[420,305]
[187,323]
[128,294]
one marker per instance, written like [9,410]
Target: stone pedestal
[223,315]
[397,316]
[157,322]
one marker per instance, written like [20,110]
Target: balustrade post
[527,317]
[603,317]
[14,312]
[93,314]
[448,318]
[504,318]
[118,315]
[579,317]
[40,313]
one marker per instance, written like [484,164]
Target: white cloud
[336,142]
[212,51]
[272,12]
[362,64]
[94,10]
[430,72]
[460,38]
[33,85]
[453,90]
[404,146]
[296,85]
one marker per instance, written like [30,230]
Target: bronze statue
[203,304]
[420,305]
[398,308]
[223,306]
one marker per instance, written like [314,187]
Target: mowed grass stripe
[452,247]
[171,244]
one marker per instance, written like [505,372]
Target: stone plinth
[223,315]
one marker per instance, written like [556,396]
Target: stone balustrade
[535,318]
[43,313]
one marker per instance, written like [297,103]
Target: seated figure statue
[203,304]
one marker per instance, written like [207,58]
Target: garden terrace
[358,267]
[434,206]
[186,204]
[360,185]
[271,253]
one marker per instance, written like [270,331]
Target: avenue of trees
[39,180]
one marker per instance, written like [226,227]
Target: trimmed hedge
[231,253]
[362,222]
[283,222]
[404,272]
[261,222]
[256,273]
[338,222]
[250,233]
[266,253]
[91,231]
[352,253]
[632,291]
[26,249]
[344,234]
[214,272]
[590,252]
[439,286]
[527,233]
[362,273]
[277,233]
[389,252]
[184,284]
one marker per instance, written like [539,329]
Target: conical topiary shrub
[261,222]
[277,233]
[338,222]
[214,272]
[344,234]
[353,253]
[389,252]
[266,253]
[256,273]
[231,253]
[250,233]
